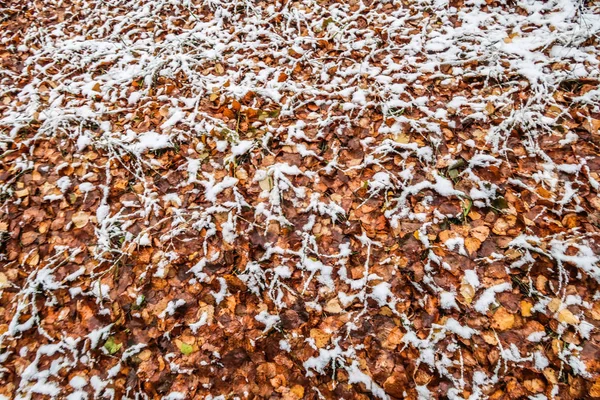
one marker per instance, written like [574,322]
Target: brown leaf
[320,337]
[480,233]
[28,237]
[502,320]
[472,244]
[534,385]
[595,389]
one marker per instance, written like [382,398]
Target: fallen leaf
[111,346]
[3,281]
[467,291]
[550,375]
[534,385]
[567,317]
[502,320]
[554,304]
[320,337]
[595,389]
[472,244]
[186,349]
[28,237]
[80,219]
[266,184]
[333,306]
[297,391]
[480,233]
[526,307]
[144,355]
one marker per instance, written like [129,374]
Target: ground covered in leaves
[299,199]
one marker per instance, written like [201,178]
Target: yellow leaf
[474,215]
[550,376]
[534,385]
[543,192]
[297,391]
[22,193]
[145,355]
[567,317]
[3,281]
[33,259]
[500,227]
[596,311]
[266,184]
[402,138]
[489,338]
[526,308]
[554,304]
[595,389]
[80,219]
[468,292]
[241,174]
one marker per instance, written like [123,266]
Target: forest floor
[299,199]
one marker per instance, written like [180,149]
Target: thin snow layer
[488,297]
[450,98]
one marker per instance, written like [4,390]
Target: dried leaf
[321,338]
[266,184]
[502,320]
[480,233]
[80,219]
[468,292]
[472,245]
[333,306]
[567,317]
[526,307]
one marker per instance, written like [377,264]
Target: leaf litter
[312,199]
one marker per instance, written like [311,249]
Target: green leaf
[186,349]
[457,164]
[111,346]
[500,203]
